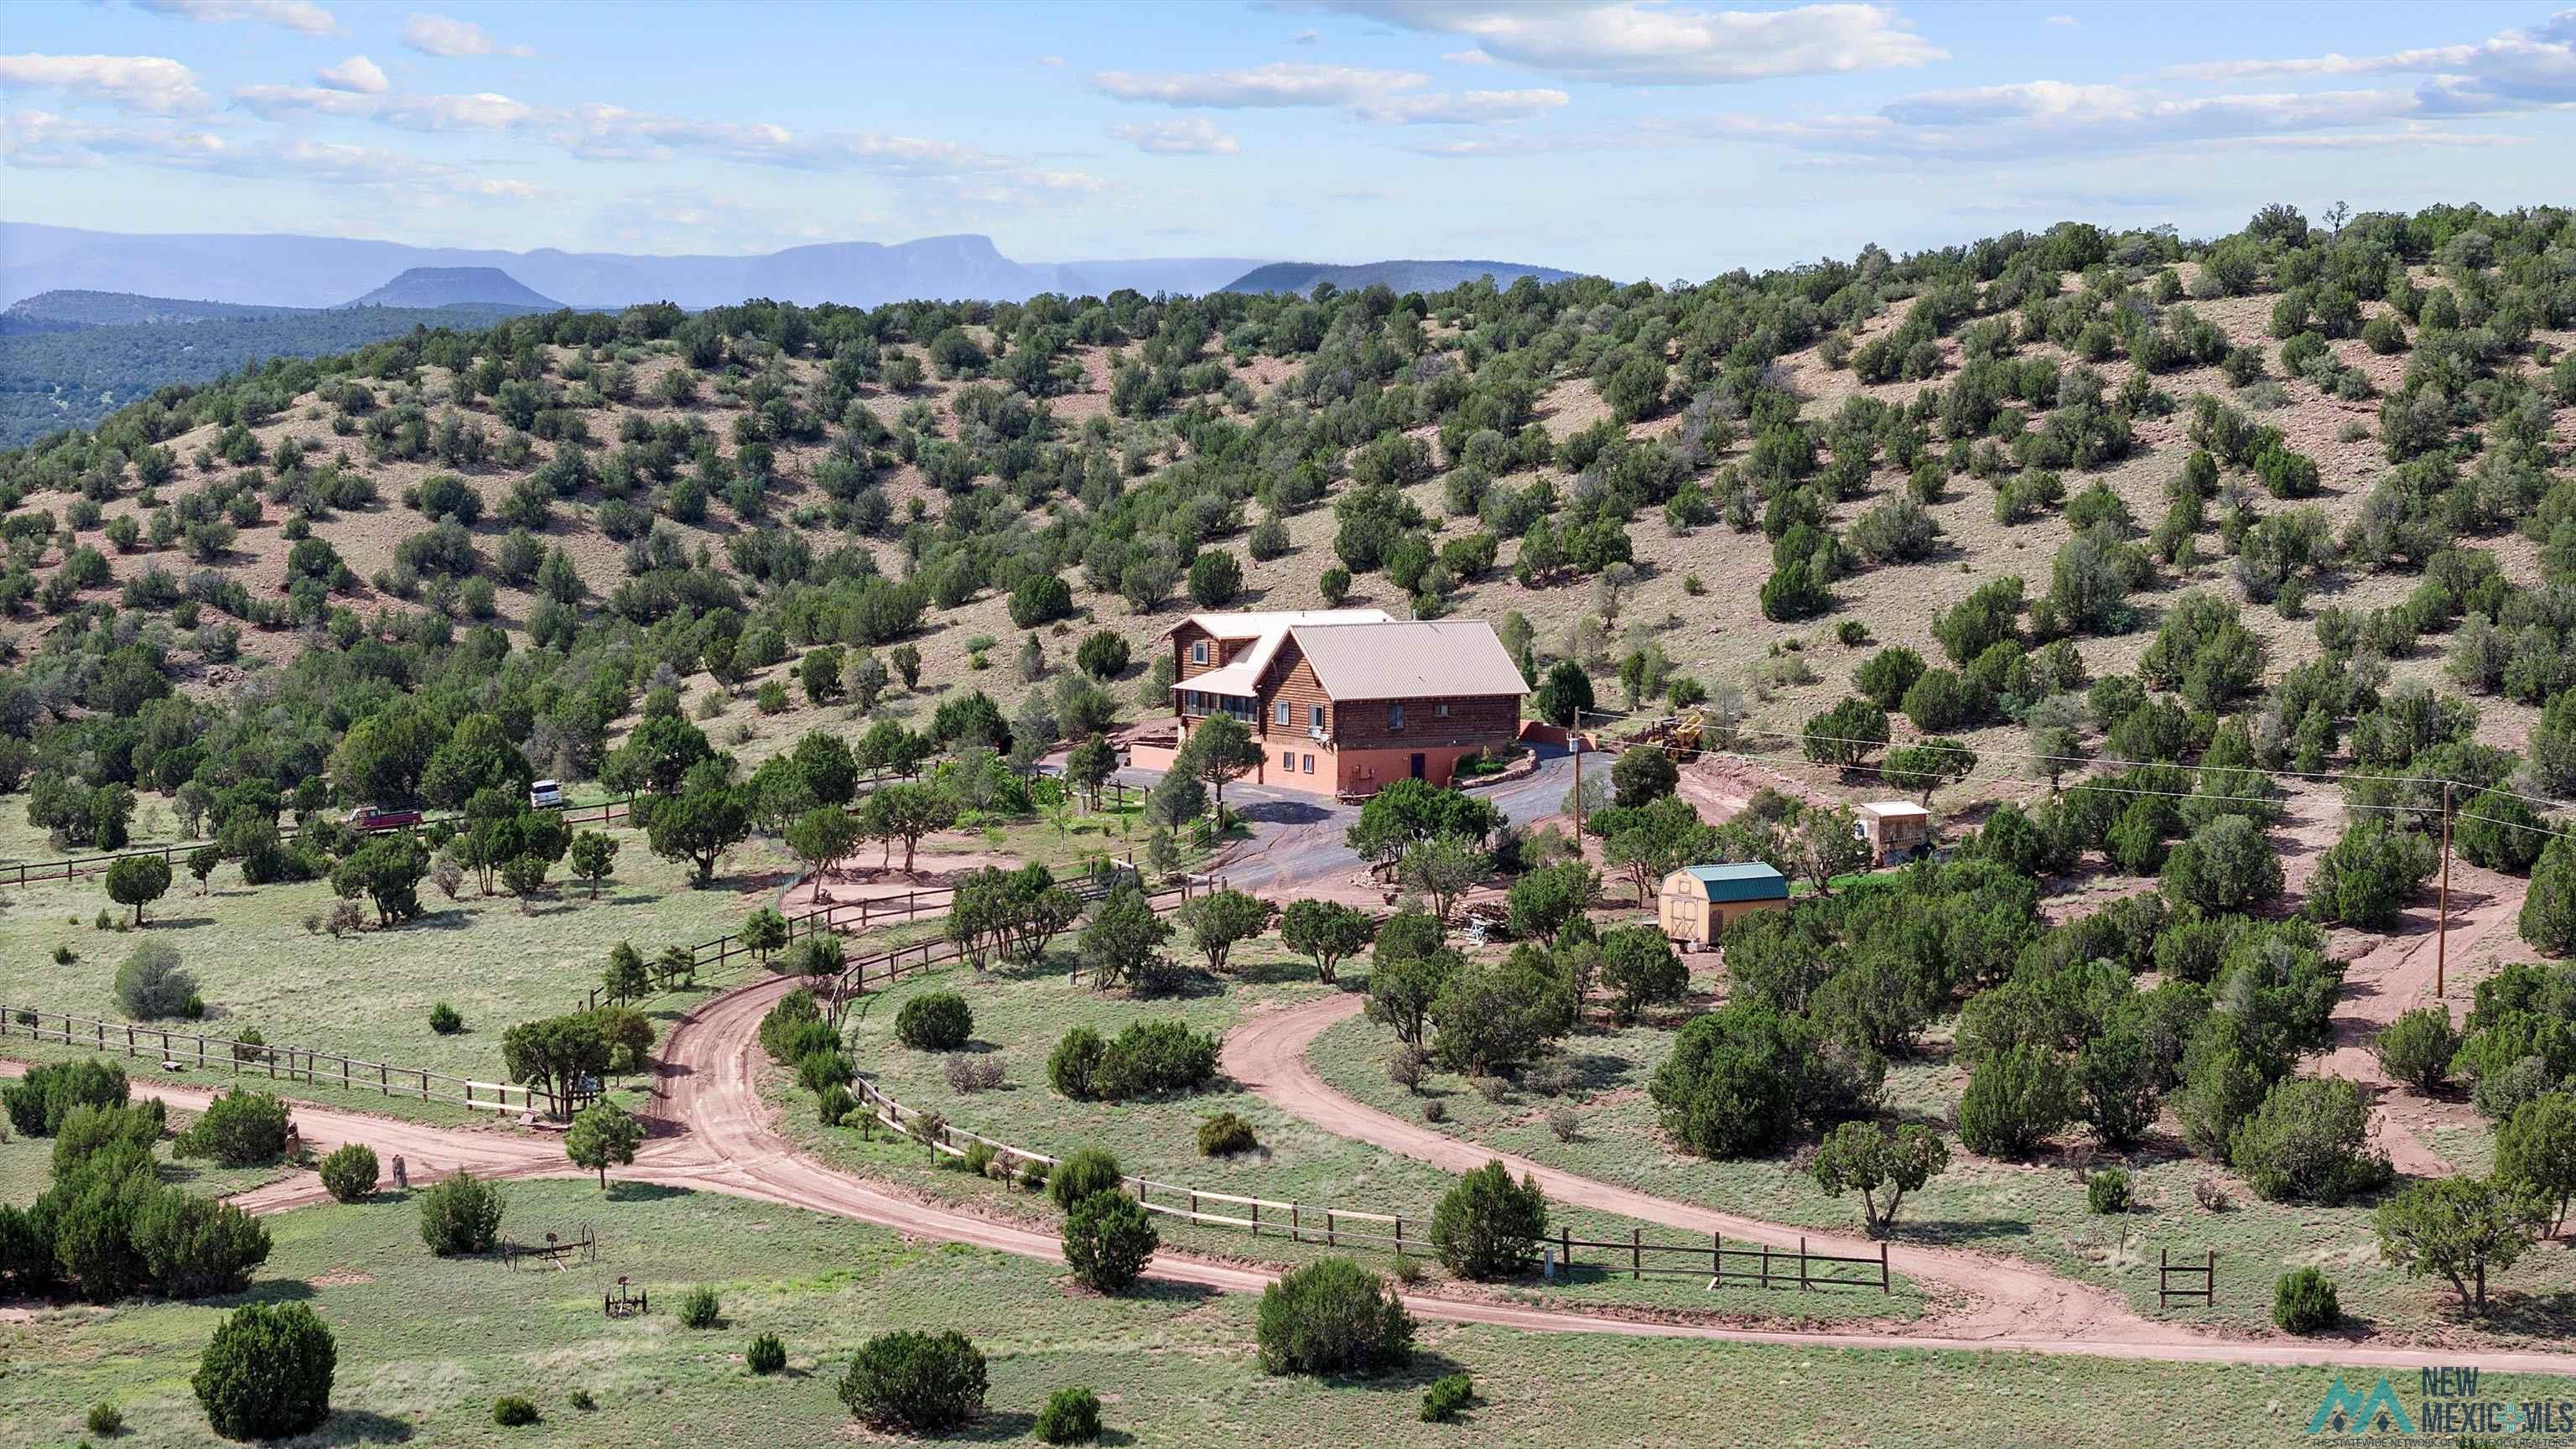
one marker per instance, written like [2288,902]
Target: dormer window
[1279,712]
[1198,651]
[1395,716]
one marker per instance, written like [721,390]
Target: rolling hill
[1396,276]
[456,287]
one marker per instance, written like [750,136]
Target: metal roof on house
[1746,881]
[1409,659]
[1887,809]
[1243,675]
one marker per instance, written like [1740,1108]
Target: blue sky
[1659,140]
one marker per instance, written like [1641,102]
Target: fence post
[1296,1234]
[1766,1267]
[1716,1258]
[1636,1255]
[1802,1262]
[1565,1244]
[1882,1267]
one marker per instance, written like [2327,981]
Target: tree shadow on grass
[1943,1231]
[622,1191]
[1273,973]
[359,1426]
[2550,1316]
[177,923]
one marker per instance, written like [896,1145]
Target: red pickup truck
[379,817]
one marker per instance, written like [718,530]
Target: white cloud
[272,102]
[2510,70]
[1196,136]
[444,35]
[39,139]
[44,139]
[482,111]
[289,14]
[1467,57]
[149,83]
[1391,97]
[2064,20]
[1281,83]
[1306,37]
[358,74]
[1652,44]
[1468,108]
[1987,124]
[1050,60]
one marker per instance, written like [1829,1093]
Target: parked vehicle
[382,817]
[545,795]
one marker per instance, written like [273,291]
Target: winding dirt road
[711,1131]
[2019,1306]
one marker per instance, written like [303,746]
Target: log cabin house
[1345,700]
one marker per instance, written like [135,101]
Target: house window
[1395,716]
[1315,716]
[1310,764]
[1198,652]
[1279,712]
[1441,710]
[1287,759]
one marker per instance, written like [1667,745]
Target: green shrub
[1447,1398]
[461,1215]
[2304,1301]
[1108,1240]
[766,1355]
[2417,1047]
[935,1021]
[1075,1063]
[1332,1316]
[266,1372]
[1154,1057]
[39,1102]
[1071,1416]
[2107,1192]
[1489,1226]
[511,1411]
[349,1173]
[1224,1135]
[444,1020]
[699,1308]
[2015,1100]
[151,984]
[827,1068]
[582,1399]
[105,1419]
[2309,1141]
[834,1104]
[917,1382]
[237,1129]
[1080,1174]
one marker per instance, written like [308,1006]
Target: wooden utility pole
[1574,739]
[2442,923]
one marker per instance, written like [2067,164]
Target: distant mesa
[1399,276]
[457,287]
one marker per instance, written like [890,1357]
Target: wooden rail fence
[278,1063]
[1716,1260]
